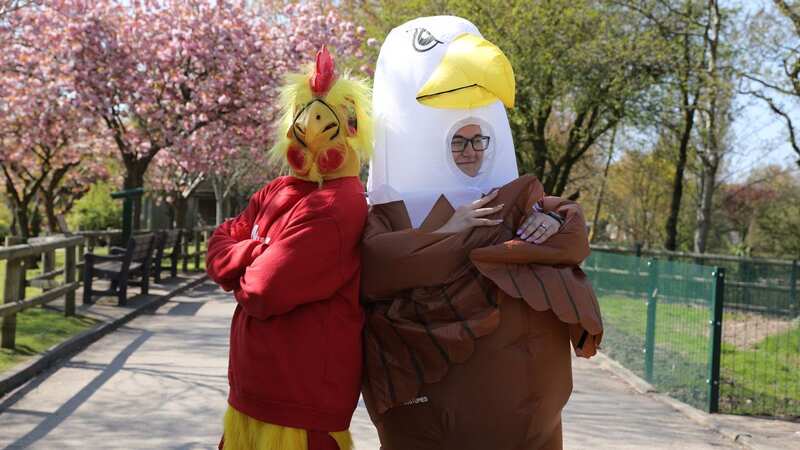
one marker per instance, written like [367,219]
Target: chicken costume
[292,260]
[467,335]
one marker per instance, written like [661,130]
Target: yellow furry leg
[343,439]
[242,432]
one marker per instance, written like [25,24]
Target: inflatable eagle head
[434,77]
[325,131]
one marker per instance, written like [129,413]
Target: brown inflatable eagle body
[467,337]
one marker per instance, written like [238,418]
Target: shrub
[96,210]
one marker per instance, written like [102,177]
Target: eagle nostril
[318,117]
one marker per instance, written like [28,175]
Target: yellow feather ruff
[242,432]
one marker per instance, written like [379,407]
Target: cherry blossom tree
[43,133]
[9,6]
[68,183]
[191,80]
[157,72]
[172,181]
[229,152]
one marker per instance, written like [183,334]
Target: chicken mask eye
[423,40]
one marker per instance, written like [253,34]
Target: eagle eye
[423,40]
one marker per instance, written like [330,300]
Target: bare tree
[685,25]
[602,190]
[779,42]
[715,121]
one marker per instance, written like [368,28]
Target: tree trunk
[181,208]
[220,211]
[219,198]
[602,192]
[22,219]
[20,201]
[707,187]
[50,212]
[36,221]
[49,194]
[714,124]
[677,182]
[690,88]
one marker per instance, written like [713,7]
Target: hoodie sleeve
[308,262]
[230,248]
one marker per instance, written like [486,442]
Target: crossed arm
[301,265]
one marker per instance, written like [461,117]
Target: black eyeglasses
[459,143]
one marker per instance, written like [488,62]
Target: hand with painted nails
[538,228]
[473,215]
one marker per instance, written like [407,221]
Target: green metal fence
[753,284]
[761,351]
[759,358]
[659,319]
[724,338]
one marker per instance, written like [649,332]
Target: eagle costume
[292,260]
[467,336]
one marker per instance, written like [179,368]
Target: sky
[759,136]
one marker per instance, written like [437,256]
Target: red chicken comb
[324,73]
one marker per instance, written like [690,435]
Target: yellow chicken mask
[325,130]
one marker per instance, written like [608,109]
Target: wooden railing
[96,237]
[18,259]
[194,239]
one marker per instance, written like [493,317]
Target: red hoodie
[292,260]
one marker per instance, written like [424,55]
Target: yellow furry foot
[242,432]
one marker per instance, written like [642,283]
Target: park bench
[121,267]
[168,240]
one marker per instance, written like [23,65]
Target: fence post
[187,233]
[793,288]
[197,250]
[48,265]
[69,277]
[715,336]
[81,250]
[650,332]
[745,275]
[14,278]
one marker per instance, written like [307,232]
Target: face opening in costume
[470,150]
[467,147]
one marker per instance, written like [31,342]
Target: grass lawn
[39,329]
[759,379]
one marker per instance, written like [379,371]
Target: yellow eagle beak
[472,74]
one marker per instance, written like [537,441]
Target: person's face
[469,158]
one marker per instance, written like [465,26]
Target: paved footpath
[160,383]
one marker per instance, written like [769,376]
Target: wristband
[556,216]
